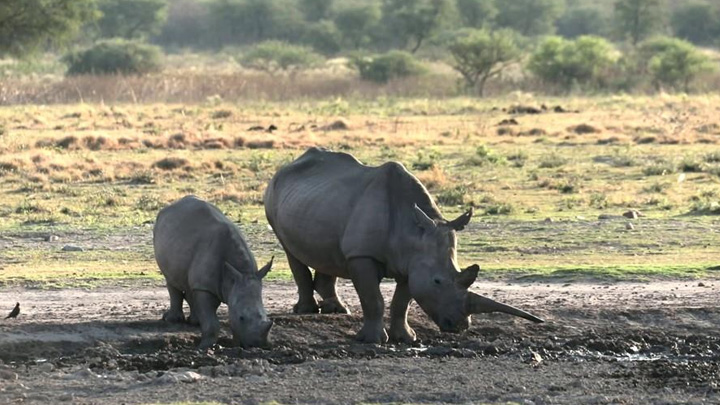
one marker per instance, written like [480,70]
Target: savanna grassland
[549,187]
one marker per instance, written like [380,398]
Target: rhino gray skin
[205,260]
[344,219]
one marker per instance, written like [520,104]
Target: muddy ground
[654,342]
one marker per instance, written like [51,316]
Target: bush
[673,62]
[114,57]
[323,37]
[584,61]
[388,66]
[279,56]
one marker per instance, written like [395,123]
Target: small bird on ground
[15,312]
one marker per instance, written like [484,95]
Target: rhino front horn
[477,304]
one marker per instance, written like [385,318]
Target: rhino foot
[402,334]
[193,319]
[372,335]
[306,308]
[173,316]
[333,306]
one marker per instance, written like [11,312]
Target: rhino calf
[206,261]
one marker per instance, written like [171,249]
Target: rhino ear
[422,220]
[467,277]
[265,269]
[460,222]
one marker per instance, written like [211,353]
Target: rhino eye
[242,319]
[437,281]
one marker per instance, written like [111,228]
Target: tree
[355,22]
[578,21]
[277,56]
[674,62]
[477,13]
[324,37]
[27,26]
[479,55]
[529,17]
[316,10]
[565,62]
[697,22]
[411,22]
[131,18]
[250,21]
[638,19]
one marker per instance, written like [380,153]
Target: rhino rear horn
[265,269]
[460,222]
[477,304]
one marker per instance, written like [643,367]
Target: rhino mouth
[450,326]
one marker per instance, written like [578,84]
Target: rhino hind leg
[366,275]
[206,305]
[331,303]
[175,313]
[193,318]
[400,331]
[303,278]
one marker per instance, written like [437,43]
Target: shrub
[388,66]
[279,56]
[484,155]
[500,209]
[113,57]
[453,196]
[674,62]
[659,168]
[584,61]
[552,161]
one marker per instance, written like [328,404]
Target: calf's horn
[477,304]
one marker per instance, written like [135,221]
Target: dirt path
[627,342]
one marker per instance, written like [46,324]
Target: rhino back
[192,240]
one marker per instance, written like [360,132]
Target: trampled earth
[639,342]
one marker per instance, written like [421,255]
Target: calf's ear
[422,220]
[265,269]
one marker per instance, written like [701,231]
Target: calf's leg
[366,275]
[205,307]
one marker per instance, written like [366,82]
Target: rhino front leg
[325,286]
[206,305]
[303,278]
[175,313]
[366,275]
[400,331]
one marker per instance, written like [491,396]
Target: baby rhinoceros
[206,261]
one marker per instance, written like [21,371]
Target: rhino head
[435,281]
[248,320]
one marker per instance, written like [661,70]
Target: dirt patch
[629,343]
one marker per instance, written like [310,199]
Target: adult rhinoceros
[344,219]
[205,260]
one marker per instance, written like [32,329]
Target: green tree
[477,13]
[578,21]
[324,37]
[131,18]
[27,26]
[479,55]
[583,61]
[250,21]
[674,62]
[277,56]
[529,17]
[356,22]
[316,10]
[411,22]
[638,19]
[697,22]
